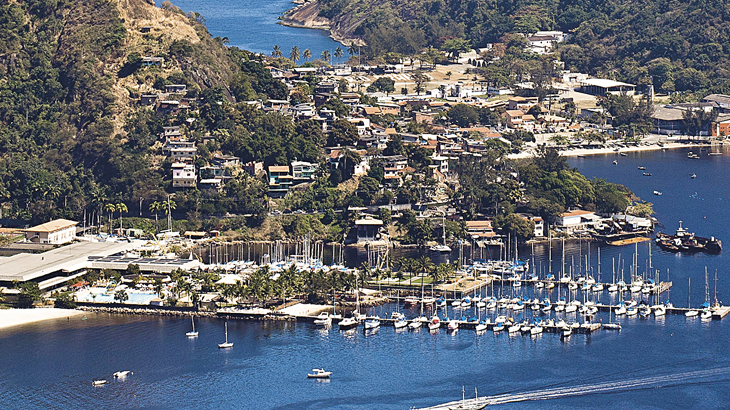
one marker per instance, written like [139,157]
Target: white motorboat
[319,374]
[514,329]
[323,319]
[372,323]
[613,288]
[453,325]
[99,382]
[598,287]
[397,315]
[347,323]
[440,248]
[612,326]
[434,324]
[411,301]
[416,324]
[536,330]
[225,344]
[400,323]
[706,314]
[691,313]
[539,285]
[660,310]
[498,327]
[570,308]
[632,311]
[192,333]
[122,374]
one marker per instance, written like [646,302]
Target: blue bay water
[252,25]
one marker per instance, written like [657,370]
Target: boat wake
[667,380]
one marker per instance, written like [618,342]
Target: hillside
[70,81]
[683,45]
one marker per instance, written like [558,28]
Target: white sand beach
[604,151]
[15,317]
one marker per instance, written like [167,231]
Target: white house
[54,232]
[183,175]
[576,219]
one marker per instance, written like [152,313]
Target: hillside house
[280,180]
[184,175]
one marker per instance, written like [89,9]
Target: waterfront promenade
[17,317]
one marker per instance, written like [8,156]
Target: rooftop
[605,83]
[52,226]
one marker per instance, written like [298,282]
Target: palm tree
[326,56]
[121,207]
[168,211]
[121,296]
[277,51]
[294,55]
[307,54]
[338,52]
[156,207]
[110,208]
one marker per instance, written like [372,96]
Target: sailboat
[443,248]
[691,312]
[225,344]
[706,312]
[192,333]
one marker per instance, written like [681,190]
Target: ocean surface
[252,25]
[667,363]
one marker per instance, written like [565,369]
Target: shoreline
[317,22]
[579,152]
[16,317]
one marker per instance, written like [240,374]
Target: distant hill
[70,77]
[684,45]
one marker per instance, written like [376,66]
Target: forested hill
[72,136]
[684,42]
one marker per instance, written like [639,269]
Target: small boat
[99,382]
[612,326]
[225,344]
[693,176]
[372,323]
[410,301]
[498,327]
[536,330]
[319,374]
[440,248]
[323,319]
[122,374]
[481,326]
[642,168]
[566,332]
[514,328]
[646,174]
[691,313]
[623,154]
[615,162]
[400,323]
[416,324]
[660,311]
[658,193]
[453,325]
[632,311]
[191,333]
[434,324]
[706,314]
[397,315]
[347,323]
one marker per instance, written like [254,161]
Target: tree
[158,287]
[343,133]
[420,79]
[524,229]
[338,52]
[307,54]
[277,51]
[121,207]
[326,56]
[157,207]
[110,208]
[463,115]
[384,84]
[455,46]
[30,293]
[294,55]
[121,295]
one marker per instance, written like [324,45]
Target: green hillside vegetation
[683,45]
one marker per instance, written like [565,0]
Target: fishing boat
[225,344]
[192,333]
[372,323]
[685,241]
[319,374]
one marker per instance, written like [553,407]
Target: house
[152,61]
[604,87]
[722,101]
[280,180]
[180,149]
[253,168]
[303,171]
[441,162]
[176,88]
[519,120]
[667,120]
[147,99]
[480,229]
[576,220]
[721,126]
[183,175]
[368,229]
[54,232]
[521,103]
[539,230]
[226,161]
